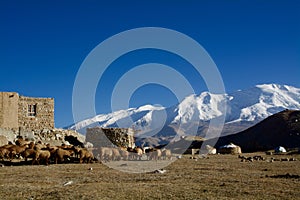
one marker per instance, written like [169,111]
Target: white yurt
[230,149]
[280,149]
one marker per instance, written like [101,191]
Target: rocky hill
[280,129]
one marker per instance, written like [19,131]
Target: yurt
[230,149]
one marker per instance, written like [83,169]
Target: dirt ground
[215,177]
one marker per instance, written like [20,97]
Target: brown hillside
[280,129]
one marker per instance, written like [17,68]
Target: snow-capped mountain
[243,109]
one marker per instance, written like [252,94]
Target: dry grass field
[216,177]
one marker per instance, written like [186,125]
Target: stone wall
[44,118]
[108,137]
[9,110]
[52,136]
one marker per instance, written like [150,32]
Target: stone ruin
[109,137]
[53,136]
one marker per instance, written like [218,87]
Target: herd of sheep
[40,153]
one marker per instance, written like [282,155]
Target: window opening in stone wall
[32,110]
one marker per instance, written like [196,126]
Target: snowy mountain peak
[277,87]
[150,107]
[249,105]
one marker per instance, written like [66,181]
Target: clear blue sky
[43,43]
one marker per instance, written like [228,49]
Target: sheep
[39,146]
[31,145]
[29,153]
[147,151]
[155,155]
[21,142]
[67,146]
[85,155]
[210,150]
[41,155]
[4,152]
[116,154]
[62,155]
[133,153]
[76,151]
[52,150]
[124,153]
[166,154]
[106,153]
[15,150]
[139,152]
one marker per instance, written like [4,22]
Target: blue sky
[43,43]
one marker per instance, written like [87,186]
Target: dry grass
[219,177]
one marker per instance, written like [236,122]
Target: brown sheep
[76,151]
[132,153]
[31,145]
[155,155]
[4,152]
[61,155]
[41,155]
[124,153]
[21,142]
[106,153]
[15,150]
[139,153]
[52,150]
[29,153]
[65,146]
[116,154]
[166,154]
[85,156]
[147,151]
[40,146]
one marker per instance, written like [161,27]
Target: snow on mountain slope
[262,101]
[249,105]
[203,107]
[141,117]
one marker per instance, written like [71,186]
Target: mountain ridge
[244,108]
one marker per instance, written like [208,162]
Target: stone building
[108,137]
[21,113]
